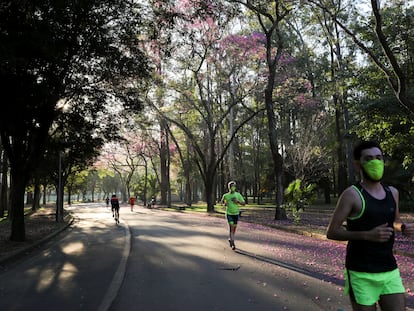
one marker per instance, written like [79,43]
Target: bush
[298,196]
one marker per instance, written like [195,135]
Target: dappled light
[73,248]
[178,253]
[46,279]
[67,272]
[179,244]
[284,251]
[158,105]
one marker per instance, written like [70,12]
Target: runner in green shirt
[232,200]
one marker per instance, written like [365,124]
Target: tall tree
[205,97]
[197,27]
[341,53]
[54,55]
[4,183]
[387,61]
[270,16]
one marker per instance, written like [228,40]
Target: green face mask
[233,188]
[374,169]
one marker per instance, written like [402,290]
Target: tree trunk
[280,213]
[342,170]
[145,181]
[69,190]
[59,203]
[231,147]
[163,163]
[272,64]
[17,189]
[36,195]
[167,177]
[209,184]
[188,194]
[4,185]
[44,194]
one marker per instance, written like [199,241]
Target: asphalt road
[181,261]
[158,260]
[71,272]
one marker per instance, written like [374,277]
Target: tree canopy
[62,56]
[73,73]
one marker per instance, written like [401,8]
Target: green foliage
[376,112]
[298,196]
[384,121]
[64,61]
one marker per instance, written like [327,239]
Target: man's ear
[357,165]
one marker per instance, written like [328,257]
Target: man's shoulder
[388,187]
[351,193]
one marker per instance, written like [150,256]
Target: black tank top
[367,256]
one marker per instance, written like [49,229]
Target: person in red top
[132,202]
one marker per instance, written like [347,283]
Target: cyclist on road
[115,207]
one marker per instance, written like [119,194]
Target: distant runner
[132,202]
[232,200]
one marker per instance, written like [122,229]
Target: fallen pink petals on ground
[315,253]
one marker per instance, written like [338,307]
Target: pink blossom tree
[212,82]
[218,83]
[270,16]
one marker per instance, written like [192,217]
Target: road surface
[181,261]
[158,260]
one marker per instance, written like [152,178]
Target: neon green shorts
[368,287]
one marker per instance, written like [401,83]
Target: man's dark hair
[365,145]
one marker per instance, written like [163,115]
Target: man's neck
[375,188]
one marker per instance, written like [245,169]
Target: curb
[9,257]
[119,274]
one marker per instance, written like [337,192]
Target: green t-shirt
[232,208]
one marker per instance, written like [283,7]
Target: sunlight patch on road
[73,248]
[184,251]
[68,271]
[49,276]
[46,278]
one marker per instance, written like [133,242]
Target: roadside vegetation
[172,99]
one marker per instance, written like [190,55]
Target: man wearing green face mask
[370,210]
[232,200]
